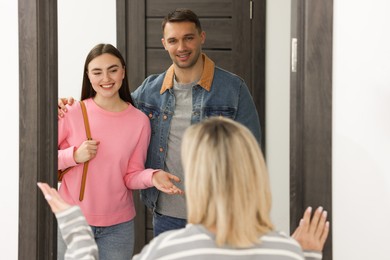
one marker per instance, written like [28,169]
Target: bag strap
[86,122]
[88,132]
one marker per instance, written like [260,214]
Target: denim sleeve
[135,95]
[247,112]
[141,93]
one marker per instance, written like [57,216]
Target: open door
[235,40]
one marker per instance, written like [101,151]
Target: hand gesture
[86,151]
[56,203]
[163,181]
[312,234]
[61,105]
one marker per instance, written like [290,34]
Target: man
[191,90]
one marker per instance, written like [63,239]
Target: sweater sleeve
[77,235]
[137,177]
[312,255]
[148,251]
[65,158]
[65,151]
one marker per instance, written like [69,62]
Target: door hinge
[250,10]
[294,54]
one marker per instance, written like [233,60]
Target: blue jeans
[114,242]
[162,223]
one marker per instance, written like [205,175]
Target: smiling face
[106,74]
[183,42]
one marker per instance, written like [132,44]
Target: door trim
[311,111]
[37,126]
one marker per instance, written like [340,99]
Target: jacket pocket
[152,113]
[229,112]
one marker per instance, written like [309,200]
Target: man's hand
[163,181]
[57,204]
[312,234]
[62,102]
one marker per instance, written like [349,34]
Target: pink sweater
[118,167]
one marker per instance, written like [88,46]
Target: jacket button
[165,117]
[161,149]
[150,115]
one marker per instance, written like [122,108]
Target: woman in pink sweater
[116,154]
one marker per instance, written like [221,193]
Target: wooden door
[235,41]
[311,111]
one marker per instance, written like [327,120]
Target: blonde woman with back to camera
[229,202]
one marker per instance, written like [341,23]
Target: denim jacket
[217,93]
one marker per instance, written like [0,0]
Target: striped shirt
[195,242]
[77,235]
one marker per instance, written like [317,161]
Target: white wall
[278,108]
[9,117]
[81,25]
[361,130]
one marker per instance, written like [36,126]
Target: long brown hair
[87,90]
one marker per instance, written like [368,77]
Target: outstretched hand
[312,233]
[163,181]
[62,102]
[56,203]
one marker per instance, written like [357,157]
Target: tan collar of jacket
[205,80]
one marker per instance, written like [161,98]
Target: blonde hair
[226,182]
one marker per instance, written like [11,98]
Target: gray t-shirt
[175,205]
